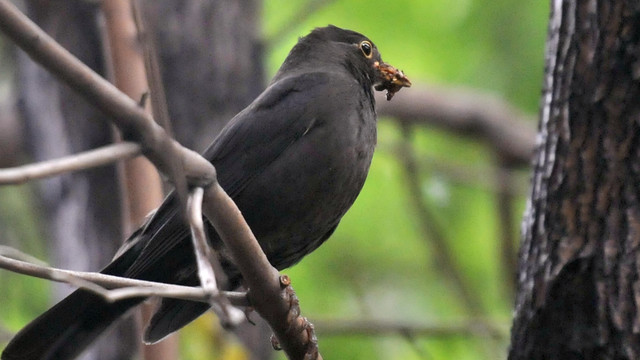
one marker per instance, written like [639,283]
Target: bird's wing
[275,120]
[251,141]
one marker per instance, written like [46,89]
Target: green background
[379,265]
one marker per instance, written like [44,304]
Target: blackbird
[293,161]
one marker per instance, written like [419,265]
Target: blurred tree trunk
[82,210]
[579,289]
[211,61]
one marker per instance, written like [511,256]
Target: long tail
[68,328]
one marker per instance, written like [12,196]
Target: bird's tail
[68,328]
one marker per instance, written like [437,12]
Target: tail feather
[65,330]
[172,316]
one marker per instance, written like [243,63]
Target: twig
[157,95]
[81,161]
[16,254]
[131,119]
[152,68]
[204,258]
[202,251]
[139,181]
[105,284]
[505,129]
[444,259]
[475,176]
[294,334]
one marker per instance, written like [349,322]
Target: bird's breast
[311,185]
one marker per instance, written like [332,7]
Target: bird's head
[333,46]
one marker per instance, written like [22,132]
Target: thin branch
[502,127]
[270,294]
[479,177]
[157,94]
[508,252]
[202,250]
[443,257]
[134,123]
[204,259]
[139,181]
[105,285]
[13,253]
[81,161]
[295,334]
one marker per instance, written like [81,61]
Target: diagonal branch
[106,285]
[82,161]
[269,293]
[442,253]
[134,123]
[505,129]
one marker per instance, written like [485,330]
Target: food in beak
[391,79]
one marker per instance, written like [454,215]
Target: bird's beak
[389,78]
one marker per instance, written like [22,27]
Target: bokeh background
[422,267]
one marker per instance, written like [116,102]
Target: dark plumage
[293,161]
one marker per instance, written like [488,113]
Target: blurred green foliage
[380,264]
[19,228]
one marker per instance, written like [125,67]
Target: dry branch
[206,262]
[442,253]
[114,288]
[82,161]
[505,129]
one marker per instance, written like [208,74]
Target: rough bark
[579,295]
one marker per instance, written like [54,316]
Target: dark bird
[293,161]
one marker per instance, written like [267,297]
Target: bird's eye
[366,48]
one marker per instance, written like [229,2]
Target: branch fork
[182,166]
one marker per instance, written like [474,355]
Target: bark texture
[579,289]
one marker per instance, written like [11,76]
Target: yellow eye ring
[367,49]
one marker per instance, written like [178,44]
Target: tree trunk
[211,62]
[578,290]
